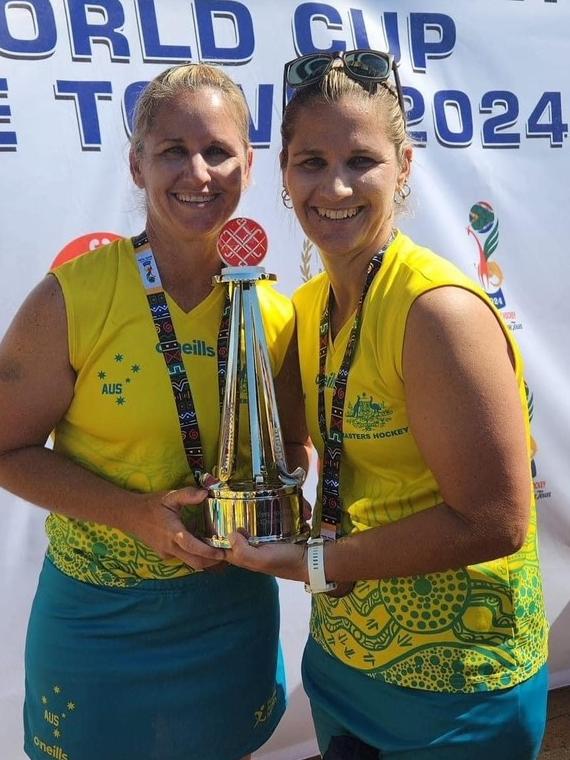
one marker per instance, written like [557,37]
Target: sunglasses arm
[399,89]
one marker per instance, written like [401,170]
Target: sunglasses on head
[364,65]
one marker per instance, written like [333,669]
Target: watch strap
[316,566]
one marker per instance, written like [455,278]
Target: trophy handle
[251,337]
[230,407]
[272,415]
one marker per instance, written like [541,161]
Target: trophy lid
[242,242]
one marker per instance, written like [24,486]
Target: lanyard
[171,351]
[333,438]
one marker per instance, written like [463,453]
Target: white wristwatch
[316,565]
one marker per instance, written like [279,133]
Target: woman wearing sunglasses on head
[131,653]
[428,634]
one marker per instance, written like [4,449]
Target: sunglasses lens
[306,70]
[367,65]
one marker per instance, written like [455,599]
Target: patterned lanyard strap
[172,353]
[333,440]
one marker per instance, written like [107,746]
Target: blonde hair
[330,89]
[188,77]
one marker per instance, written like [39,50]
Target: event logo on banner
[83,244]
[540,486]
[484,228]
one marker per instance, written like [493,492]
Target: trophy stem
[229,416]
[259,467]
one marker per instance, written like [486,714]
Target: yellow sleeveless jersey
[478,628]
[122,423]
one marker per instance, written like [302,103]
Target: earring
[404,191]
[286,199]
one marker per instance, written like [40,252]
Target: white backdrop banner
[487,86]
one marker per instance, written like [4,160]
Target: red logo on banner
[83,244]
[242,242]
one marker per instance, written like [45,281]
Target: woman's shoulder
[91,281]
[92,286]
[417,263]
[94,264]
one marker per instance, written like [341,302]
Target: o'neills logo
[52,750]
[196,347]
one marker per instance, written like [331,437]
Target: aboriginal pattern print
[449,632]
[97,554]
[170,349]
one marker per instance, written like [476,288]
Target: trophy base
[267,513]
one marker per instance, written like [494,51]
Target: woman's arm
[465,414]
[36,388]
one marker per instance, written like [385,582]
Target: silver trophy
[267,503]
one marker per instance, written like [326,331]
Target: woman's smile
[338,214]
[195,199]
